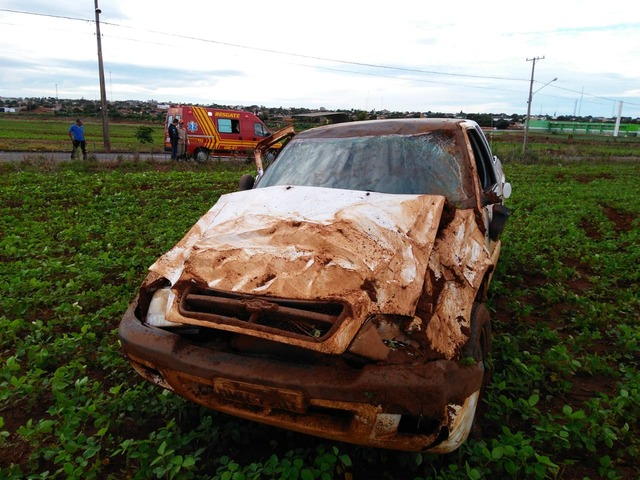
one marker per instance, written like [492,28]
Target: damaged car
[341,292]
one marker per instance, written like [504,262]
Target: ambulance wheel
[201,155]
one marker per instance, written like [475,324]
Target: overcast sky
[399,55]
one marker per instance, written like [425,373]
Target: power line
[48,15]
[335,69]
[326,59]
[278,52]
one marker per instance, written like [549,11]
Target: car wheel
[479,348]
[479,344]
[246,182]
[201,155]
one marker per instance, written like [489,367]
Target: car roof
[400,126]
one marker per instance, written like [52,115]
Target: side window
[226,125]
[259,130]
[483,159]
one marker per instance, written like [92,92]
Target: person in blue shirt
[76,134]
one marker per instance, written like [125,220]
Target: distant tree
[144,134]
[482,119]
[361,115]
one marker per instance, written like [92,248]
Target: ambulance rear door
[172,112]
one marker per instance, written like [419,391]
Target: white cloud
[332,54]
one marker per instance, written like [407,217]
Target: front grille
[299,318]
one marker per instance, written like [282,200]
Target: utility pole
[103,92]
[526,125]
[616,130]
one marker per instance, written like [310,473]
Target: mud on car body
[341,294]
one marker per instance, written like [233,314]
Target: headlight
[383,334]
[160,303]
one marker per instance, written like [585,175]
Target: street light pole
[103,91]
[526,132]
[526,125]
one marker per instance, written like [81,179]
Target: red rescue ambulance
[212,131]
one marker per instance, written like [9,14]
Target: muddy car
[342,293]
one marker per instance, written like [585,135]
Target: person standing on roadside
[174,138]
[76,134]
[182,141]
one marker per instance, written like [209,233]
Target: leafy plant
[144,134]
[76,241]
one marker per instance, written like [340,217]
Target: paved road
[64,156]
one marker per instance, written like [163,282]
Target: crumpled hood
[368,249]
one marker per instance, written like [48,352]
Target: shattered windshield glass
[401,164]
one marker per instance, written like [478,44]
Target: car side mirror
[246,182]
[498,221]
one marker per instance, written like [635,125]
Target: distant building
[593,128]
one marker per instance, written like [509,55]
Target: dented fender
[457,266]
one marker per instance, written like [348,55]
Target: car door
[494,212]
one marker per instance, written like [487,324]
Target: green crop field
[42,134]
[32,133]
[49,134]
[76,240]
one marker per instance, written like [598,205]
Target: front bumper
[417,407]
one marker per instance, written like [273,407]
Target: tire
[201,155]
[479,348]
[246,182]
[479,344]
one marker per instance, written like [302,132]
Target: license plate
[259,395]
